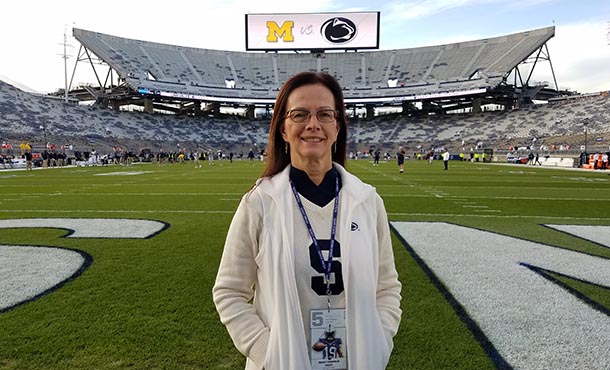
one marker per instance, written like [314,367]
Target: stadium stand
[560,123]
[189,78]
[23,115]
[180,71]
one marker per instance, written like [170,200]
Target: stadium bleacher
[423,70]
[561,122]
[382,74]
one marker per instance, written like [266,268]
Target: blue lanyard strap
[326,265]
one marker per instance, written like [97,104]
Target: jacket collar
[352,186]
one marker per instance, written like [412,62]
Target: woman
[307,277]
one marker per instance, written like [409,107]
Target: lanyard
[326,265]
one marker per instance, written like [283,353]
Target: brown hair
[277,158]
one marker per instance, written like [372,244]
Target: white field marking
[537,217]
[473,206]
[504,198]
[545,189]
[112,211]
[91,227]
[392,214]
[488,210]
[27,271]
[585,179]
[517,184]
[532,322]
[121,194]
[129,173]
[597,234]
[541,198]
[457,197]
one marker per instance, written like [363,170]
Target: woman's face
[310,141]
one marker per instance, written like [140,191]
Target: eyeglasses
[303,116]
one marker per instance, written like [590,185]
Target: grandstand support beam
[74,69]
[212,109]
[109,75]
[250,109]
[542,54]
[148,105]
[476,105]
[551,65]
[197,109]
[92,66]
[527,81]
[545,56]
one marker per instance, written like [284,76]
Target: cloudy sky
[32,31]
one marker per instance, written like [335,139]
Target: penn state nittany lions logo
[338,30]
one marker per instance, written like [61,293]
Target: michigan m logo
[284,32]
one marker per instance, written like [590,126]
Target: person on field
[251,156]
[446,159]
[28,160]
[400,159]
[376,157]
[308,254]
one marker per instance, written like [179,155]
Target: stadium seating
[424,70]
[187,71]
[559,123]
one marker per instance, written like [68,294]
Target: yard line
[114,211]
[494,197]
[122,194]
[539,217]
[519,185]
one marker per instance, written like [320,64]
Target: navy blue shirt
[321,194]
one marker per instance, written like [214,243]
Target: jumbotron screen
[312,31]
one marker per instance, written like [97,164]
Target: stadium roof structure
[444,76]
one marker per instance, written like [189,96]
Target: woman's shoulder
[354,184]
[268,185]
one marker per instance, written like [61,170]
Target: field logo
[338,30]
[284,32]
[28,272]
[505,290]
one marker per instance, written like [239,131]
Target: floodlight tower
[65,69]
[65,57]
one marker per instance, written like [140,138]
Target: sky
[32,32]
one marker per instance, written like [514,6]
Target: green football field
[142,300]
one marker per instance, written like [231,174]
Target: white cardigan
[258,261]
